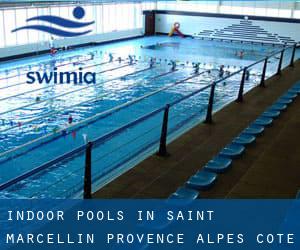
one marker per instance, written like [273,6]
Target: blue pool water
[33,132]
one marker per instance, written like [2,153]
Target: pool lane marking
[86,101]
[52,85]
[81,149]
[92,119]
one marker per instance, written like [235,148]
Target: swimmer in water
[130,60]
[197,67]
[37,99]
[70,119]
[173,63]
[111,58]
[151,62]
[221,71]
[241,54]
[92,56]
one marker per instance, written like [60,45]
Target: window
[22,35]
[34,35]
[119,14]
[130,16]
[124,16]
[99,19]
[2,37]
[138,16]
[260,11]
[9,25]
[272,12]
[43,36]
[285,13]
[108,18]
[296,14]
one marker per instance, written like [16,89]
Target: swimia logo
[55,77]
[78,13]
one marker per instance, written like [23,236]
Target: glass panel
[99,19]
[119,13]
[285,13]
[42,35]
[9,25]
[106,18]
[297,14]
[22,35]
[2,37]
[34,35]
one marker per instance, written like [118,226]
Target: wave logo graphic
[78,13]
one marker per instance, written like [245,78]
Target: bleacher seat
[185,193]
[254,130]
[202,180]
[278,106]
[288,95]
[244,139]
[286,101]
[218,165]
[232,151]
[263,121]
[271,114]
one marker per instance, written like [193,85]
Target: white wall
[29,48]
[192,25]
[277,8]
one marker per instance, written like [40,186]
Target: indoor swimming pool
[42,122]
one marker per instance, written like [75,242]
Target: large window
[278,8]
[108,17]
[2,31]
[117,16]
[9,24]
